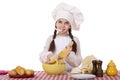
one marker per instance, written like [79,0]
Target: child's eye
[66,22]
[59,21]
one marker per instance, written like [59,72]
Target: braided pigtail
[52,44]
[74,47]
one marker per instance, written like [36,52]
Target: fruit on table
[12,73]
[21,72]
[111,69]
[29,72]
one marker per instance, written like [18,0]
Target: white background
[26,24]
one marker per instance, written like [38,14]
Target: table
[41,75]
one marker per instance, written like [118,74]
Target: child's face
[63,25]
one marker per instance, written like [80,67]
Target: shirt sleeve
[75,59]
[43,55]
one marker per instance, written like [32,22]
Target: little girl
[67,18]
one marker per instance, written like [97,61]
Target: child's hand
[48,57]
[69,46]
[69,49]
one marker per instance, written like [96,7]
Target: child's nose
[63,25]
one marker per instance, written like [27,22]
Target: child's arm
[74,59]
[45,54]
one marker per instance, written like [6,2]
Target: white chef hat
[71,13]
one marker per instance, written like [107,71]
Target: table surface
[41,75]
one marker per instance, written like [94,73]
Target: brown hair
[52,44]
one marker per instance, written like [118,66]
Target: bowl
[54,69]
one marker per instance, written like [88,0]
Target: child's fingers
[49,56]
[69,47]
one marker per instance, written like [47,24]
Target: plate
[3,72]
[82,76]
[21,76]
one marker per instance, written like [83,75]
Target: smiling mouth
[59,30]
